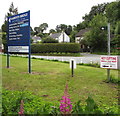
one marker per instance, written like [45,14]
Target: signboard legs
[29,62]
[8,60]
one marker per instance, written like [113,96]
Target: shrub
[32,104]
[35,105]
[55,48]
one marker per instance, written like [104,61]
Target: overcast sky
[52,12]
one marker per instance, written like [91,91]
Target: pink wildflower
[21,113]
[65,103]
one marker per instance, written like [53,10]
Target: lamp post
[108,47]
[108,70]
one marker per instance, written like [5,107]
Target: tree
[81,25]
[43,27]
[32,32]
[98,9]
[72,36]
[113,12]
[96,38]
[52,31]
[68,30]
[36,29]
[12,11]
[116,39]
[62,27]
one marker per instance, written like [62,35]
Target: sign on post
[19,32]
[19,35]
[109,62]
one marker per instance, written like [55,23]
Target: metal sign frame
[18,35]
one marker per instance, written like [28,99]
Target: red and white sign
[109,62]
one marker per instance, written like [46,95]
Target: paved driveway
[86,58]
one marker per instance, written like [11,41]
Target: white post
[81,61]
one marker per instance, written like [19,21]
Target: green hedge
[55,48]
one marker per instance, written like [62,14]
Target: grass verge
[48,80]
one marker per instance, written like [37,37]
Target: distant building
[36,39]
[1,48]
[79,36]
[61,37]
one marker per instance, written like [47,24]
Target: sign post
[19,35]
[72,66]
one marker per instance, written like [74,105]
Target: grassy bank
[48,80]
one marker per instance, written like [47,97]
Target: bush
[32,104]
[55,48]
[35,105]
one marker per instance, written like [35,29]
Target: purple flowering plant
[65,103]
[21,113]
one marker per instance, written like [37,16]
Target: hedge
[55,48]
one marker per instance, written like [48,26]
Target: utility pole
[108,70]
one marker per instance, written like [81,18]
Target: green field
[48,80]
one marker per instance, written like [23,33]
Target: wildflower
[21,113]
[65,103]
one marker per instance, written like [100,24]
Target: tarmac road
[86,58]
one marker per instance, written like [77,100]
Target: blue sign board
[19,32]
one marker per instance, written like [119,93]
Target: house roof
[55,35]
[35,38]
[82,32]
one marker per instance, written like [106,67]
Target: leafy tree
[52,31]
[116,39]
[96,38]
[31,30]
[43,35]
[72,36]
[113,12]
[68,30]
[62,27]
[81,25]
[43,27]
[98,9]
[12,11]
[117,29]
[36,29]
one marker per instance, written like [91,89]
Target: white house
[36,39]
[61,37]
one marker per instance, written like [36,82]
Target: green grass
[48,79]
